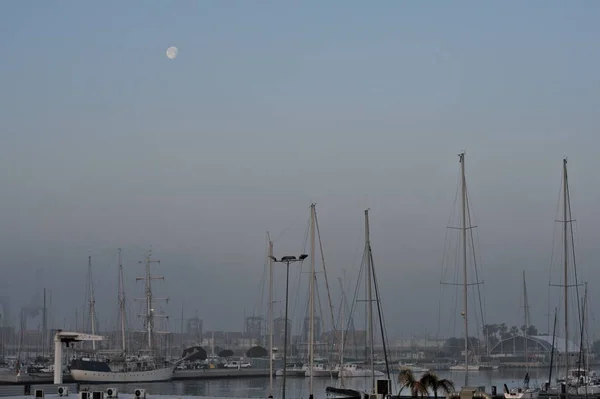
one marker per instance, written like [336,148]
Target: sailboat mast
[44,327]
[181,327]
[150,314]
[566,271]
[270,257]
[311,340]
[464,248]
[343,324]
[526,308]
[585,327]
[122,303]
[149,310]
[370,296]
[92,302]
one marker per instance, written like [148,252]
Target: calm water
[298,387]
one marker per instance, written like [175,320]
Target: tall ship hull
[100,372]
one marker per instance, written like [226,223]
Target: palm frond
[406,377]
[445,385]
[430,380]
[418,389]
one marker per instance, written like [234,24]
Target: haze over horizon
[268,107]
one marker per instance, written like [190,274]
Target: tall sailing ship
[144,366]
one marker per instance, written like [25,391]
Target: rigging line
[381,322]
[453,315]
[296,287]
[348,311]
[581,343]
[302,322]
[354,300]
[444,263]
[331,308]
[320,310]
[263,282]
[287,228]
[556,217]
[481,303]
[450,222]
[577,295]
[261,289]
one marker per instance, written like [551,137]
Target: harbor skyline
[108,144]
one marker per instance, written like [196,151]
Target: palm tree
[436,384]
[407,380]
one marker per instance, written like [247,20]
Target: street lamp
[287,260]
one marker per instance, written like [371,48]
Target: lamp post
[287,260]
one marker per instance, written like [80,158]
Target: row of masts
[566,233]
[370,283]
[149,314]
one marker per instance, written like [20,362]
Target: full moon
[172,52]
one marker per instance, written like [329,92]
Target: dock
[200,374]
[213,374]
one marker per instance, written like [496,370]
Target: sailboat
[314,369]
[355,370]
[576,380]
[588,380]
[144,367]
[524,391]
[467,366]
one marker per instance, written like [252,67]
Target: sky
[272,106]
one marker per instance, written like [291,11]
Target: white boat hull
[291,372]
[588,390]
[162,374]
[523,394]
[414,369]
[322,373]
[346,373]
[461,367]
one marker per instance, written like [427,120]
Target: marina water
[297,388]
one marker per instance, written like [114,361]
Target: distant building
[414,344]
[5,316]
[306,329]
[279,331]
[194,330]
[254,327]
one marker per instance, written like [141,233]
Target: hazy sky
[268,107]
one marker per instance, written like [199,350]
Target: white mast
[464,248]
[585,329]
[343,324]
[370,298]
[311,340]
[149,315]
[212,344]
[566,271]
[270,257]
[526,307]
[122,303]
[92,301]
[44,327]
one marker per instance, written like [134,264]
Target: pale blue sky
[270,106]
